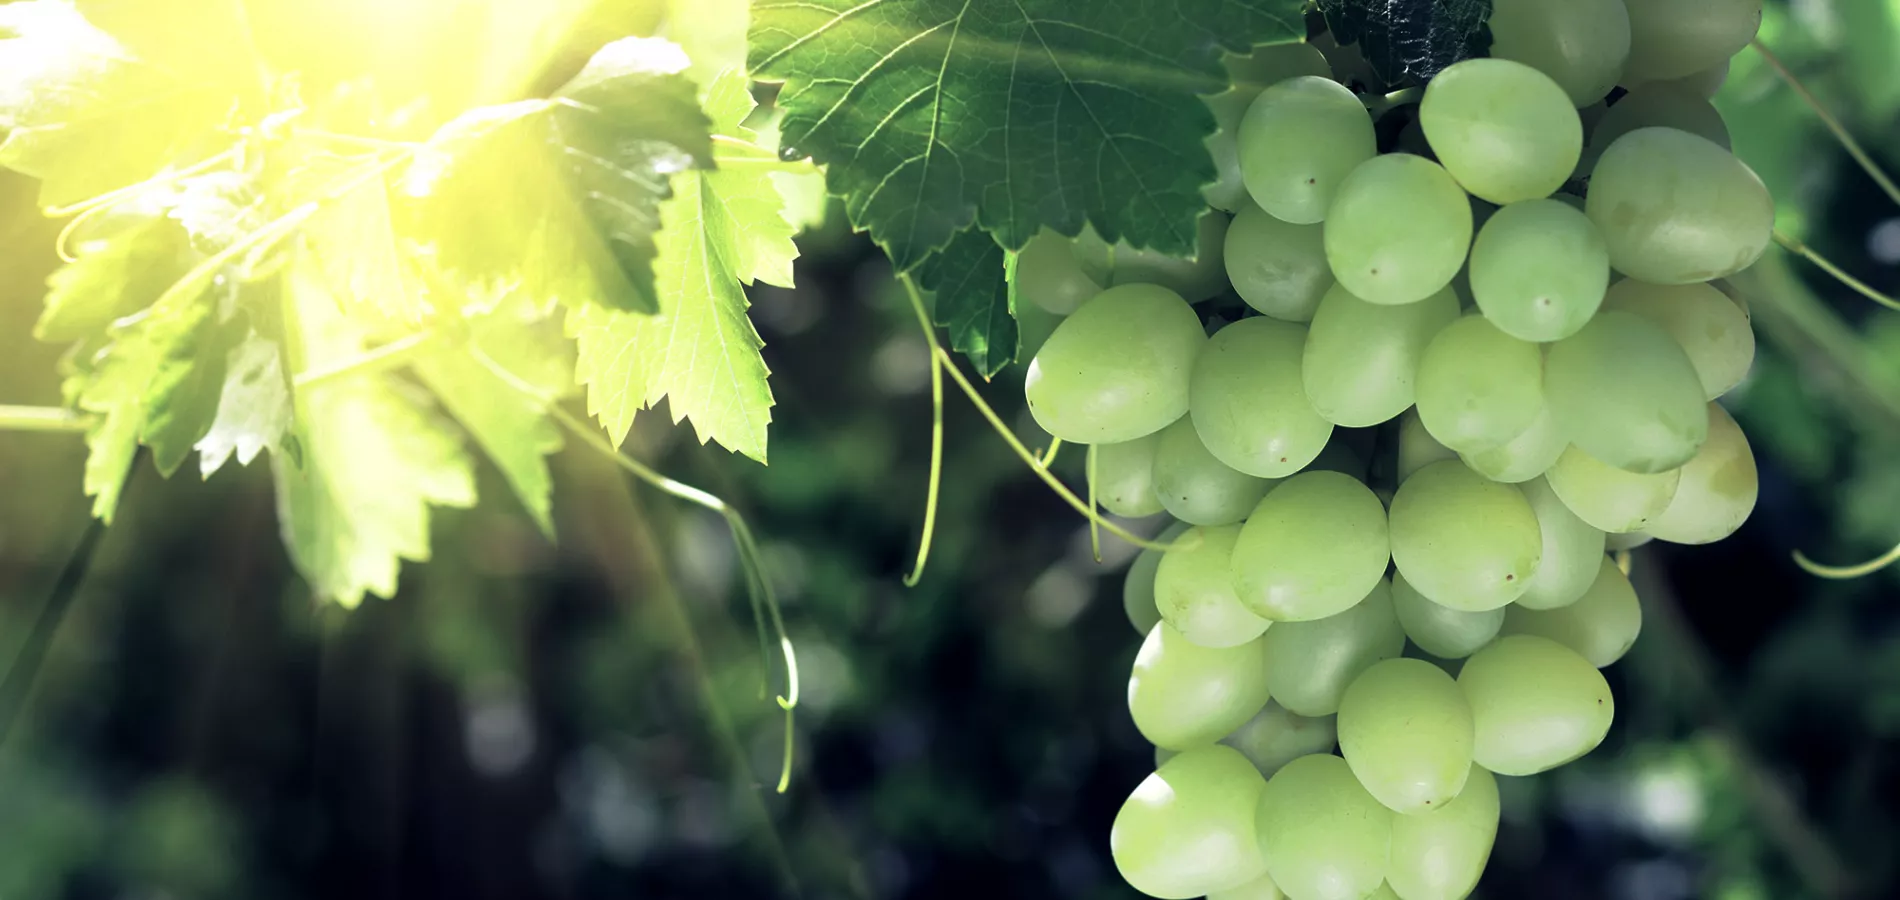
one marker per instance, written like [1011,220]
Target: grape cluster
[1465,370]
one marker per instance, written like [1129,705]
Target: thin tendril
[949,366]
[1095,531]
[1869,567]
[1049,456]
[1848,143]
[751,561]
[936,460]
[93,207]
[1805,252]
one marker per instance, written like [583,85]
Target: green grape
[1417,447]
[1194,279]
[1048,275]
[1662,105]
[1309,664]
[1601,626]
[1384,892]
[1033,326]
[1572,550]
[1267,65]
[1463,540]
[1405,730]
[1124,476]
[1623,391]
[1477,386]
[1580,44]
[1340,457]
[1322,835]
[1628,540]
[1703,84]
[1194,590]
[1539,269]
[1438,629]
[1138,589]
[1261,888]
[1298,141]
[1248,402]
[1278,267]
[1718,488]
[1439,855]
[1608,498]
[1709,327]
[1536,704]
[1190,828]
[1676,38]
[1314,547]
[1675,208]
[1277,736]
[1360,367]
[1182,694]
[1117,369]
[1398,229]
[1522,458]
[1506,131]
[1195,487]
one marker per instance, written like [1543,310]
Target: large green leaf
[725,228]
[120,270]
[560,199]
[1410,40]
[85,116]
[972,299]
[1012,114]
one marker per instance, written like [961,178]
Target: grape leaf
[560,198]
[375,458]
[253,406]
[1012,114]
[86,117]
[1410,40]
[133,259]
[725,228]
[972,299]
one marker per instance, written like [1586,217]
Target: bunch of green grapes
[1460,378]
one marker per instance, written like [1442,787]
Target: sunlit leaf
[253,407]
[118,271]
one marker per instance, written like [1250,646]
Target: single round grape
[1048,275]
[1183,695]
[1572,550]
[1675,38]
[1660,105]
[1277,736]
[1313,547]
[1194,279]
[1309,664]
[1524,457]
[1138,589]
[1248,401]
[1608,498]
[1247,76]
[1278,267]
[1323,836]
[1124,476]
[1298,141]
[1361,362]
[1261,888]
[1190,828]
[1623,391]
[1675,208]
[1601,626]
[1628,540]
[1197,488]
[1339,456]
[1116,369]
[1398,229]
[1194,590]
[1439,855]
[1477,386]
[1536,704]
[1539,269]
[1417,447]
[1463,540]
[1580,44]
[1506,131]
[1718,488]
[1405,729]
[1438,629]
[1709,327]
[1034,325]
[1705,83]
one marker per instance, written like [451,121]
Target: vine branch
[1846,140]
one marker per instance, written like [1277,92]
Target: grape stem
[1380,104]
[1847,141]
[47,419]
[18,684]
[1795,246]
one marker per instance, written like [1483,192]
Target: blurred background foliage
[586,720]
